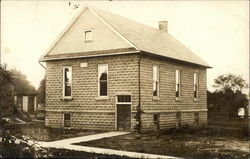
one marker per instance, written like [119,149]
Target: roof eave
[83,56]
[177,60]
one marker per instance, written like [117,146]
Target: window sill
[177,99]
[67,98]
[88,41]
[196,100]
[67,128]
[102,98]
[156,98]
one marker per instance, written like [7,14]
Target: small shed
[26,100]
[241,112]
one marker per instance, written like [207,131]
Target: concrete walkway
[67,144]
[89,137]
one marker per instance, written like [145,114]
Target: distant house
[27,102]
[107,72]
[241,112]
[25,97]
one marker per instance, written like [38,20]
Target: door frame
[116,103]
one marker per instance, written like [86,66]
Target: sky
[216,31]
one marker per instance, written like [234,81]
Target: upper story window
[196,84]
[103,79]
[87,35]
[177,83]
[156,81]
[67,81]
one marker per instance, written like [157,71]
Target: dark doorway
[31,105]
[123,117]
[123,113]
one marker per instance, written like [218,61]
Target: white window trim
[158,80]
[197,83]
[84,35]
[98,82]
[179,82]
[67,97]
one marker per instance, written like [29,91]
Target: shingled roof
[138,36]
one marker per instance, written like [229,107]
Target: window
[196,83]
[156,81]
[88,36]
[156,117]
[157,121]
[103,79]
[124,99]
[66,120]
[67,81]
[177,84]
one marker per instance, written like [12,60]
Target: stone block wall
[166,105]
[86,109]
[90,112]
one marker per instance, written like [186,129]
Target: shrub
[12,147]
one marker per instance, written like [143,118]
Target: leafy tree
[12,82]
[22,85]
[41,91]
[229,82]
[6,88]
[6,81]
[10,146]
[228,96]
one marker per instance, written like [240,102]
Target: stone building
[107,72]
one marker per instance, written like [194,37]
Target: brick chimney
[163,25]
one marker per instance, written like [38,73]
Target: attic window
[87,35]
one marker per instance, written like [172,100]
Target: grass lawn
[39,132]
[213,141]
[64,153]
[206,142]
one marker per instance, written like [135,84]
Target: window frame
[98,81]
[86,31]
[178,83]
[70,68]
[158,81]
[196,85]
[70,117]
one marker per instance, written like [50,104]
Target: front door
[123,113]
[123,117]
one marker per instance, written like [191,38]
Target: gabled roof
[137,36]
